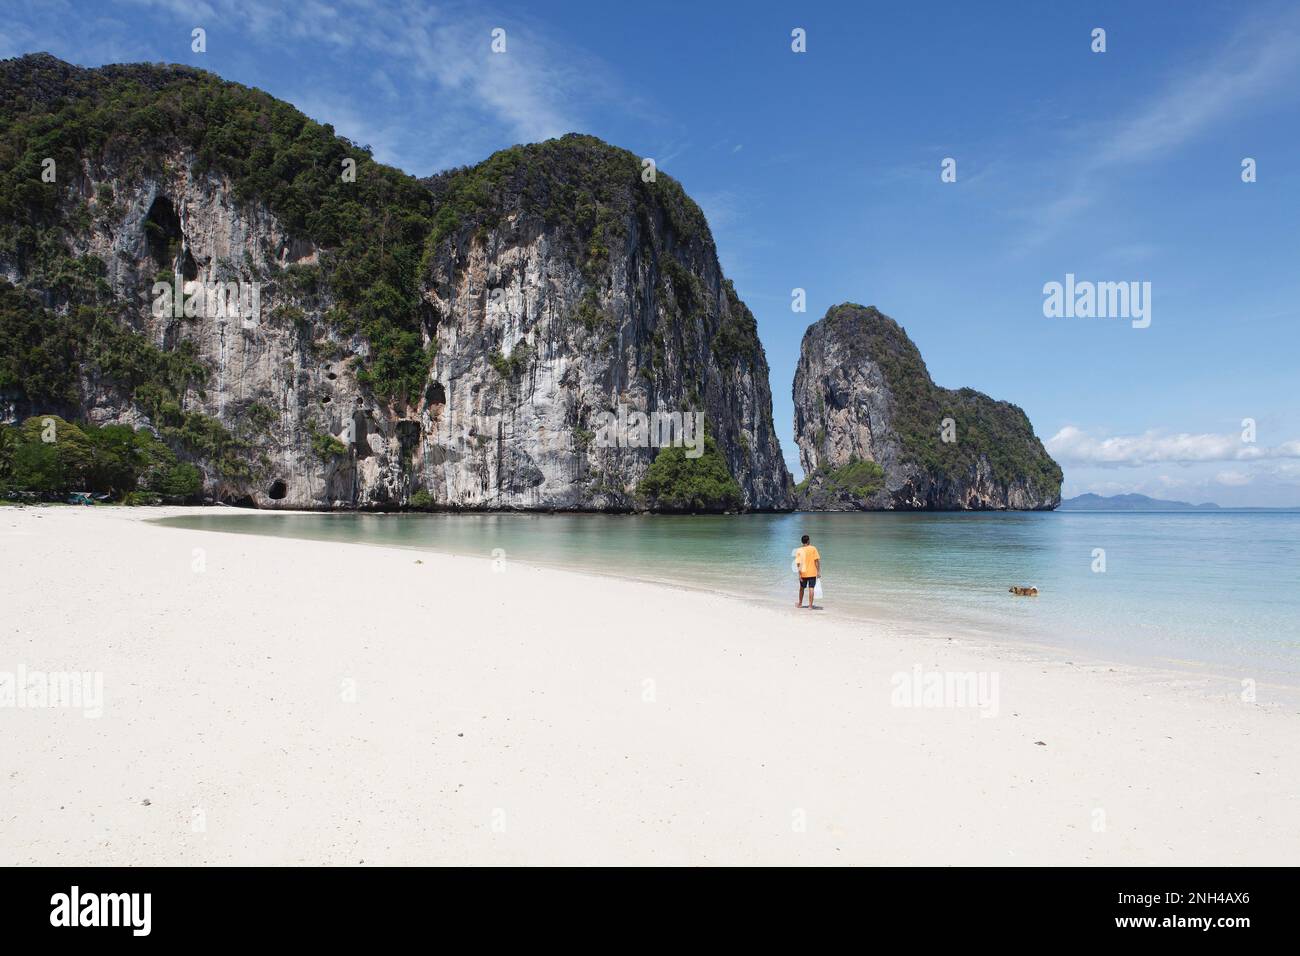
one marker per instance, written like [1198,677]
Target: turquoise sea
[1217,593]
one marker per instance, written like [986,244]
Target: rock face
[875,432]
[449,342]
[579,289]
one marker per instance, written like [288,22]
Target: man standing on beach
[809,563]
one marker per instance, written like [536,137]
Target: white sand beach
[273,701]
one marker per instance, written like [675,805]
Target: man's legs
[799,603]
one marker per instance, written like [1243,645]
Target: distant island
[1132,502]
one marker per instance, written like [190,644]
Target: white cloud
[1075,446]
[393,63]
[1264,483]
[1233,479]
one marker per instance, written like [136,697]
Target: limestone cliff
[875,432]
[445,343]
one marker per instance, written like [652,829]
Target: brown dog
[1023,592]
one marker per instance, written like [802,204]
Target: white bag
[817,590]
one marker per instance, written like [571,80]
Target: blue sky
[821,171]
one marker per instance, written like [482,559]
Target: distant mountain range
[1091,502]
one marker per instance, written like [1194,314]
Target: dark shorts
[807,583]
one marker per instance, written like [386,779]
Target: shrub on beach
[858,478]
[47,455]
[41,349]
[675,483]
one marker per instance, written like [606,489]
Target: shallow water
[1214,592]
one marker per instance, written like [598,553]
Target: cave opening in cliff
[435,394]
[278,490]
[361,445]
[166,241]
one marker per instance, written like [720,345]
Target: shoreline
[525,718]
[1165,671]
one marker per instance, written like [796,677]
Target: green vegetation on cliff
[590,193]
[676,483]
[44,353]
[579,183]
[859,478]
[737,336]
[123,136]
[984,428]
[376,230]
[133,121]
[513,367]
[325,445]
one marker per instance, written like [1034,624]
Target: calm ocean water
[1212,592]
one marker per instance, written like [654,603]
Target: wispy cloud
[530,87]
[69,31]
[1072,445]
[420,80]
[1261,59]
[1257,61]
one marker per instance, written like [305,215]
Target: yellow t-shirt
[807,558]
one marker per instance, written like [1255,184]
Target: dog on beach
[1023,592]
